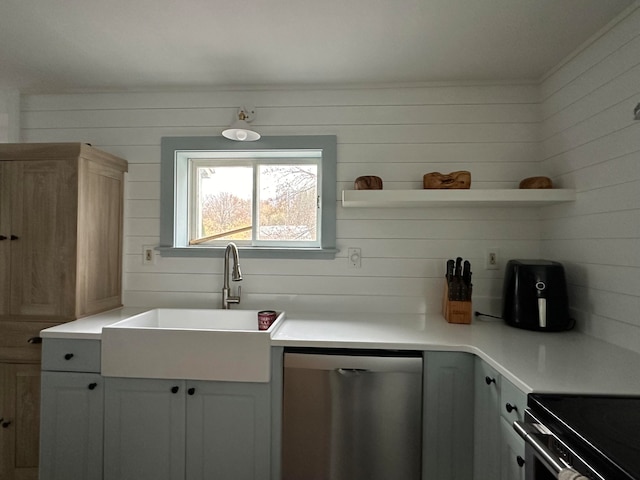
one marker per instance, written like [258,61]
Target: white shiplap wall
[590,142]
[397,133]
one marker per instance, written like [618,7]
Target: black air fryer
[535,296]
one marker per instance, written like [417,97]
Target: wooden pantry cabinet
[61,216]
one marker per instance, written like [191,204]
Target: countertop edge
[566,362]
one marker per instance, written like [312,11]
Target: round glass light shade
[241,132]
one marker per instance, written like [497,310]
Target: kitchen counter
[566,362]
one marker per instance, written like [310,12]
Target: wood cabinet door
[72,426]
[144,429]
[20,425]
[100,243]
[5,237]
[228,431]
[43,254]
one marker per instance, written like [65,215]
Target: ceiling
[98,45]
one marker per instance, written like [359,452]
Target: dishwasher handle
[350,364]
[352,372]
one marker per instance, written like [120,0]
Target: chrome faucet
[236,276]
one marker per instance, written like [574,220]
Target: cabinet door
[43,222]
[100,221]
[71,426]
[448,416]
[486,452]
[228,431]
[20,413]
[5,236]
[512,453]
[144,429]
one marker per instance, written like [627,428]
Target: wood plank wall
[590,142]
[396,133]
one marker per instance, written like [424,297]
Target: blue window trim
[168,180]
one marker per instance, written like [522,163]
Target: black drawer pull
[6,424]
[3,237]
[175,389]
[92,386]
[35,340]
[68,356]
[520,461]
[488,380]
[191,391]
[13,237]
[510,408]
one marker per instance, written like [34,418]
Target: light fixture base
[249,113]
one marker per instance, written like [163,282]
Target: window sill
[251,252]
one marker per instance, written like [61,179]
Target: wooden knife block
[455,311]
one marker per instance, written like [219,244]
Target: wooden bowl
[454,180]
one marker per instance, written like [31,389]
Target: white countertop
[566,362]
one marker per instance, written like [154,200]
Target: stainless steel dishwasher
[351,415]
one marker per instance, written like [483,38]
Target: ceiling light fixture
[240,130]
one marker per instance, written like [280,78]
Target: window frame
[174,180]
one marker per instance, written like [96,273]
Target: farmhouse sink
[193,344]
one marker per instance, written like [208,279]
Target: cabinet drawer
[20,341]
[512,453]
[64,355]
[512,402]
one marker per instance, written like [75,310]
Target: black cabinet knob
[92,386]
[510,408]
[191,391]
[6,424]
[13,237]
[489,380]
[68,356]
[35,340]
[520,461]
[3,237]
[175,389]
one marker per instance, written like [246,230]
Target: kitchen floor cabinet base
[20,412]
[176,429]
[72,426]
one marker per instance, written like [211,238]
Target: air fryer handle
[542,312]
[542,304]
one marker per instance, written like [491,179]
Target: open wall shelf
[455,198]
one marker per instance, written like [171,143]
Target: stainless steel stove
[596,435]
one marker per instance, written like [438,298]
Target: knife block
[455,311]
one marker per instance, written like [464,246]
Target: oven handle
[528,432]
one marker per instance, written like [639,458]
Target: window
[274,198]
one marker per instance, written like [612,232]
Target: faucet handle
[239,293]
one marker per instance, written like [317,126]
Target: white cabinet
[72,407]
[486,421]
[175,429]
[512,406]
[71,426]
[511,453]
[448,416]
[498,450]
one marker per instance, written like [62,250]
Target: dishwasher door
[352,417]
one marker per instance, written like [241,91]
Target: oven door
[545,455]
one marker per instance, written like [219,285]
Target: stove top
[604,429]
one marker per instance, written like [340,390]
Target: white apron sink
[192,344]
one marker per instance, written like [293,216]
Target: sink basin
[193,344]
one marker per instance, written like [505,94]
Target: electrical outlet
[492,259]
[354,257]
[148,255]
